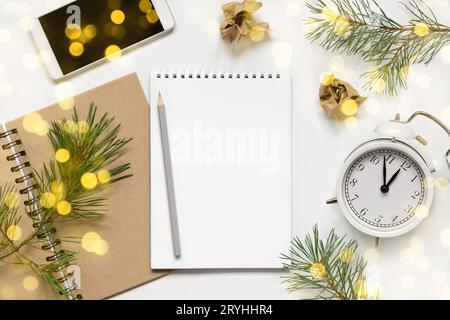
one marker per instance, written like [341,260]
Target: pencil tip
[160,100]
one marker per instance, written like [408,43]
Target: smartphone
[86,32]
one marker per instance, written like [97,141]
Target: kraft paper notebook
[126,227]
[230,142]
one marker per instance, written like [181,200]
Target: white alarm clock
[385,187]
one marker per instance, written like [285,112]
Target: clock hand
[393,178]
[385,187]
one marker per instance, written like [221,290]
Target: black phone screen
[85,31]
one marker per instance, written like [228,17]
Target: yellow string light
[113,52]
[349,107]
[152,16]
[421,29]
[30,283]
[30,120]
[64,208]
[73,31]
[90,31]
[76,49]
[361,289]
[82,127]
[70,126]
[89,180]
[103,176]
[12,200]
[100,247]
[257,33]
[57,188]
[317,271]
[47,200]
[62,155]
[88,241]
[145,6]
[14,232]
[42,128]
[118,16]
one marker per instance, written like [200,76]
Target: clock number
[408,209]
[415,177]
[354,198]
[378,219]
[364,211]
[375,160]
[360,167]
[395,218]
[415,195]
[405,165]
[353,182]
[390,159]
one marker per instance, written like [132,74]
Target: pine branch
[364,29]
[94,148]
[330,267]
[90,147]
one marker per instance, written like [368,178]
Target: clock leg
[377,241]
[332,200]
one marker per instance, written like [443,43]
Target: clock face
[384,189]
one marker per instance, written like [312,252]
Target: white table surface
[416,265]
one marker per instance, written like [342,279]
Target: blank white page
[230,142]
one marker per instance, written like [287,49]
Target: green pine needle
[92,151]
[364,29]
[330,268]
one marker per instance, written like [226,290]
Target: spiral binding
[216,75]
[47,233]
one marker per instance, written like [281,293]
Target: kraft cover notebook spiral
[230,142]
[126,226]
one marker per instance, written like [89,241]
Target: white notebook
[230,142]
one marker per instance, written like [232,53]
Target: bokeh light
[82,127]
[47,200]
[90,31]
[351,123]
[113,52]
[349,107]
[89,180]
[145,6]
[64,207]
[257,33]
[152,16]
[30,283]
[76,49]
[12,200]
[73,31]
[422,264]
[62,155]
[104,176]
[88,241]
[117,16]
[14,232]
[101,247]
[42,128]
